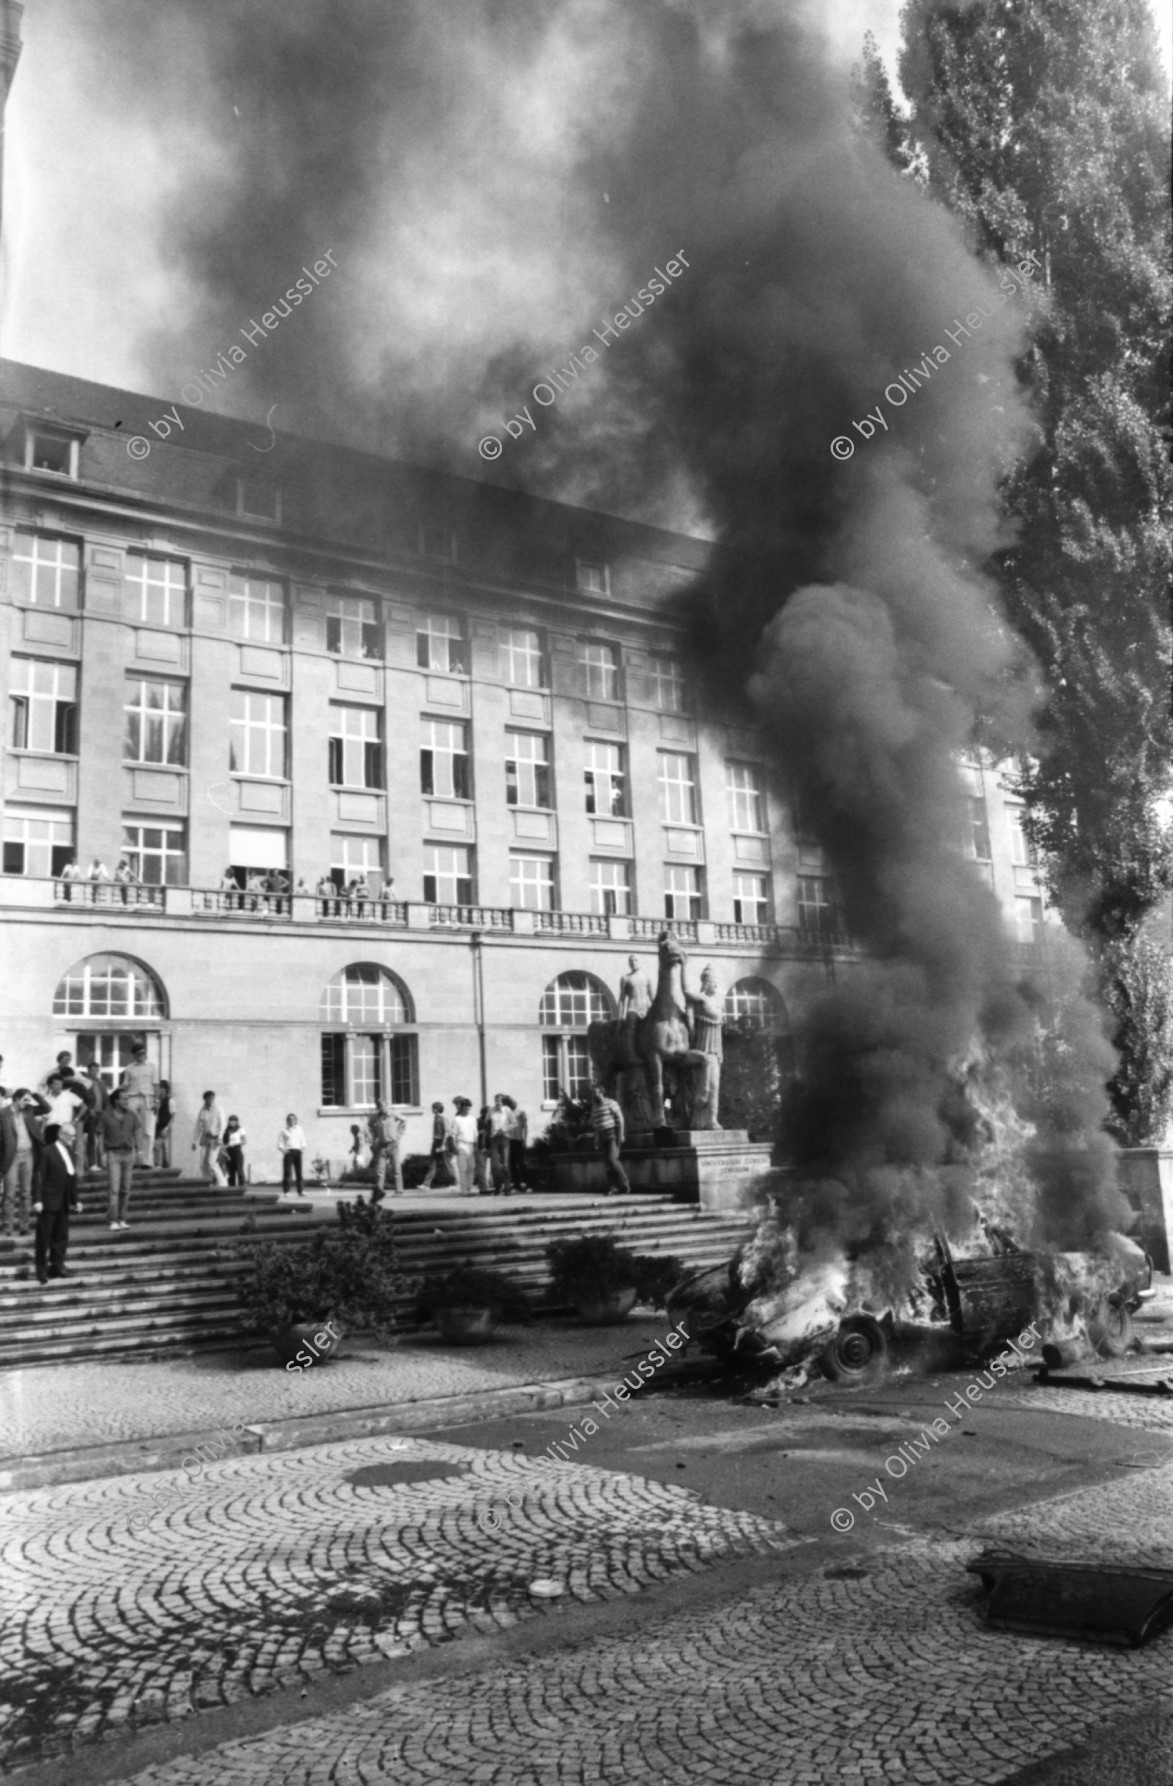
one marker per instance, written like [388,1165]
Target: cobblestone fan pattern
[1153,1413]
[871,1672]
[261,1570]
[51,1409]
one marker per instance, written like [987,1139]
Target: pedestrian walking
[607,1123]
[385,1128]
[438,1157]
[209,1128]
[140,1082]
[95,1146]
[121,1131]
[518,1139]
[234,1140]
[291,1145]
[500,1129]
[462,1145]
[164,1117]
[55,1201]
[17,1157]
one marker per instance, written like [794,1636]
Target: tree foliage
[1043,124]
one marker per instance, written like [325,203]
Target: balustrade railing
[470,917]
[361,911]
[572,923]
[252,905]
[115,893]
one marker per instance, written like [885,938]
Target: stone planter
[608,1311]
[304,1343]
[466,1326]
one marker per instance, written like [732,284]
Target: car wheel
[858,1353]
[1109,1329]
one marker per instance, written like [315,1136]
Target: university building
[261,676]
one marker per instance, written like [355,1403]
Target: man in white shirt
[64,1105]
[291,1145]
[209,1127]
[500,1131]
[464,1142]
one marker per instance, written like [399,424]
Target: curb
[133,1457]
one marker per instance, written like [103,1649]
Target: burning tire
[858,1353]
[1109,1329]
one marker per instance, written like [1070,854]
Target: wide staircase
[166,1285]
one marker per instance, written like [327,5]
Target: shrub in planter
[595,1273]
[347,1272]
[468,1302]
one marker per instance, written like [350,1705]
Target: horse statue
[639,1060]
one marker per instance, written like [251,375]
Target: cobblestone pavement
[1151,1412]
[56,1407]
[873,1671]
[264,1569]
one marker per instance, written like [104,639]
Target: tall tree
[1043,123]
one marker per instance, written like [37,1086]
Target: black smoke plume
[495,180]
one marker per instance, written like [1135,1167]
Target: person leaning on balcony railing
[327,892]
[70,873]
[359,892]
[125,877]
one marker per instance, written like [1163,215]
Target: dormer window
[592,576]
[51,449]
[259,499]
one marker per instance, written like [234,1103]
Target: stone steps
[166,1284]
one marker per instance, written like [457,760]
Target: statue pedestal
[717,1168]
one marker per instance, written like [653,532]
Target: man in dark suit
[56,1198]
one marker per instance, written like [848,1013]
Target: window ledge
[368,1110]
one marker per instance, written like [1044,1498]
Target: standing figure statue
[635,1001]
[706,1016]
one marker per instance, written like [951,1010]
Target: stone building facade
[231,666]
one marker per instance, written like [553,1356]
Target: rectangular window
[44,705]
[1028,914]
[156,590]
[600,670]
[820,912]
[447,874]
[682,891]
[47,451]
[527,769]
[439,645]
[751,899]
[38,841]
[606,780]
[592,577]
[356,747]
[358,1069]
[531,883]
[523,663]
[260,499]
[667,684]
[677,789]
[566,1066]
[444,760]
[45,571]
[747,811]
[352,627]
[257,609]
[610,887]
[334,1072]
[156,722]
[1021,852]
[258,737]
[977,834]
[157,853]
[352,857]
[256,852]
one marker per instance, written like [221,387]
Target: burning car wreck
[780,1311]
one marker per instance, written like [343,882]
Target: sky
[102,148]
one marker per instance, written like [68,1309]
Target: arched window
[110,986]
[569,1004]
[756,1001]
[366,1054]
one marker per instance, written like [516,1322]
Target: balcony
[301,909]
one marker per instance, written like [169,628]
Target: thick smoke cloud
[494,181]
